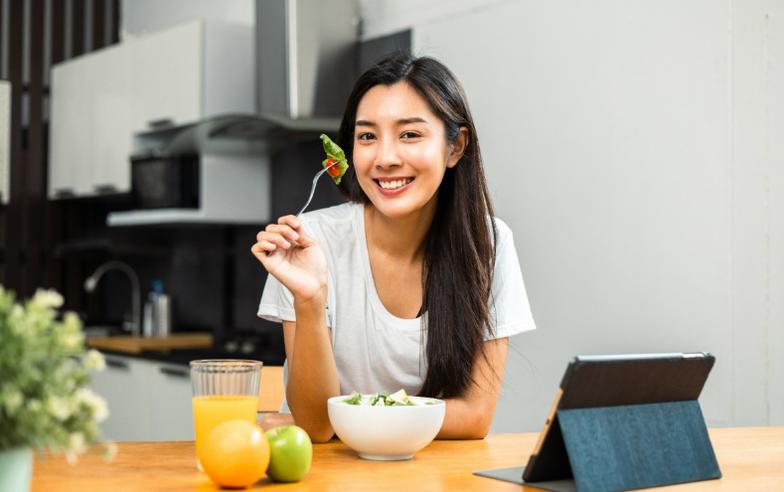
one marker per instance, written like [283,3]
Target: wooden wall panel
[115,22]
[53,211]
[77,27]
[13,211]
[34,195]
[31,227]
[99,21]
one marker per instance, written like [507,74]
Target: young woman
[411,284]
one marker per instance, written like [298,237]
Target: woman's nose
[387,155]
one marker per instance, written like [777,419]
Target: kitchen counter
[750,459]
[182,357]
[265,352]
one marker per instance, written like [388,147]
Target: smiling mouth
[393,184]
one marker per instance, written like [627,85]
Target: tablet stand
[637,446]
[629,447]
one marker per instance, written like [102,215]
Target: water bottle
[161,308]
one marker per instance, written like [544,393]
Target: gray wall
[634,148]
[144,16]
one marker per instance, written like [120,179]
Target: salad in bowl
[381,426]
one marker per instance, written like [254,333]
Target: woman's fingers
[295,224]
[274,238]
[284,231]
[264,246]
[283,235]
[290,220]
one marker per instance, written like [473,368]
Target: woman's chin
[398,209]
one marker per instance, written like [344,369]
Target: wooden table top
[750,459]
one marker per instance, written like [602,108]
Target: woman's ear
[458,148]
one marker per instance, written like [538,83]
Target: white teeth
[391,185]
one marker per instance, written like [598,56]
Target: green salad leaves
[396,399]
[336,163]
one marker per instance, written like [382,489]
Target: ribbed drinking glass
[223,389]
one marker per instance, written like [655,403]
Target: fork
[313,187]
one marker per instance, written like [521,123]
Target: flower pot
[16,467]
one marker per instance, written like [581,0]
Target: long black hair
[459,253]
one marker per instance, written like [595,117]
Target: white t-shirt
[374,350]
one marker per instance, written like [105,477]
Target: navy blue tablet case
[623,423]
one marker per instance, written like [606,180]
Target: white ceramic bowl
[386,433]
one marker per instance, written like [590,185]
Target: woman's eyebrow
[401,121]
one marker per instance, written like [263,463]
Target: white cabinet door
[112,135]
[168,75]
[148,400]
[172,411]
[99,100]
[122,384]
[5,141]
[71,123]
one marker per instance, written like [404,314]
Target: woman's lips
[394,182]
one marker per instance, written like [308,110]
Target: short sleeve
[509,307]
[277,303]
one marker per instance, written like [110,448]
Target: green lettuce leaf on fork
[334,154]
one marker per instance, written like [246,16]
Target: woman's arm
[297,262]
[313,377]
[470,416]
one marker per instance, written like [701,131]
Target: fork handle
[312,189]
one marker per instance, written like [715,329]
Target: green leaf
[334,152]
[353,399]
[42,377]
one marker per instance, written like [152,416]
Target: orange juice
[209,411]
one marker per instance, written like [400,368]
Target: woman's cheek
[362,159]
[424,158]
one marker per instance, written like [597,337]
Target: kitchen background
[633,147]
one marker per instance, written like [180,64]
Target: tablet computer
[599,381]
[611,380]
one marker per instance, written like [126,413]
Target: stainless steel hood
[306,59]
[232,134]
[305,56]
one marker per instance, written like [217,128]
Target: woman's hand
[293,258]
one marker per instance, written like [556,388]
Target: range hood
[305,65]
[305,56]
[306,59]
[232,134]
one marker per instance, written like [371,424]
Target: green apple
[290,453]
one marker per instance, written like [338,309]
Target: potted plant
[45,400]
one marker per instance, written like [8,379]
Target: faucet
[91,283]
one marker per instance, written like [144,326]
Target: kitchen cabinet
[123,385]
[170,394]
[148,400]
[5,141]
[100,100]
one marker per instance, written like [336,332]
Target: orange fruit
[236,454]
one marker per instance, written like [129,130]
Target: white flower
[59,407]
[71,341]
[12,399]
[71,336]
[47,298]
[94,402]
[34,405]
[16,320]
[94,361]
[77,443]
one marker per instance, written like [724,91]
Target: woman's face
[400,150]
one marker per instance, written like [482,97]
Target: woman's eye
[365,136]
[410,135]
